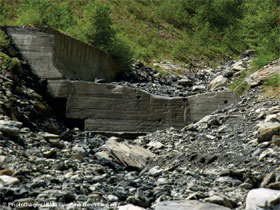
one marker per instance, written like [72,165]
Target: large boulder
[218,81]
[263,199]
[10,128]
[259,76]
[130,207]
[128,155]
[8,180]
[188,205]
[267,130]
[238,66]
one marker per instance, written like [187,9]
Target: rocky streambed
[227,160]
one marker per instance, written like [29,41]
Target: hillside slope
[187,31]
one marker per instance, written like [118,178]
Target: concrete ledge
[107,108]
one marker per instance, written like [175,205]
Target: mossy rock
[4,59]
[15,64]
[4,56]
[9,63]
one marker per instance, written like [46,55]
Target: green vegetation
[238,84]
[4,41]
[273,81]
[186,31]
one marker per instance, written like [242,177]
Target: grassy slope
[153,38]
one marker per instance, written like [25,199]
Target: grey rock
[267,130]
[221,200]
[50,153]
[49,135]
[155,171]
[227,180]
[276,140]
[261,198]
[238,66]
[273,118]
[112,198]
[247,53]
[10,128]
[8,180]
[2,160]
[218,81]
[57,143]
[156,145]
[139,199]
[128,155]
[263,73]
[267,179]
[198,87]
[130,207]
[185,82]
[187,205]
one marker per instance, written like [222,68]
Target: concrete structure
[53,55]
[108,108]
[104,108]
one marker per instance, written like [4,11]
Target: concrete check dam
[70,66]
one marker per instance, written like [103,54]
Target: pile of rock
[213,164]
[190,82]
[21,96]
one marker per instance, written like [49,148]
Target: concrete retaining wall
[77,60]
[105,108]
[203,104]
[53,55]
[37,48]
[111,108]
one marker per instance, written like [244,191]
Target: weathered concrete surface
[37,48]
[203,104]
[77,60]
[114,108]
[53,55]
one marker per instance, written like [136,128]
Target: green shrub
[4,41]
[97,29]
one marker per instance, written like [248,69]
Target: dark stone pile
[193,81]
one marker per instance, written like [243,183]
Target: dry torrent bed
[217,160]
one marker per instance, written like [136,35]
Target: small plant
[4,41]
[239,85]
